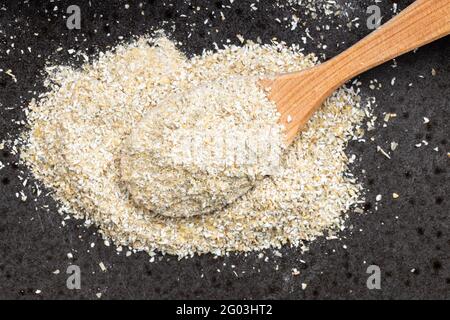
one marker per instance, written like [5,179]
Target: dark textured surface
[409,233]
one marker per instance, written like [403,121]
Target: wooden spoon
[297,95]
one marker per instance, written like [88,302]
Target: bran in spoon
[201,150]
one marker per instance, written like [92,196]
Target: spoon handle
[298,94]
[422,22]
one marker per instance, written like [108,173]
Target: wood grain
[299,94]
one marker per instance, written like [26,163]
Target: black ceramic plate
[408,238]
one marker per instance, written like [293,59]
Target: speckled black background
[409,233]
